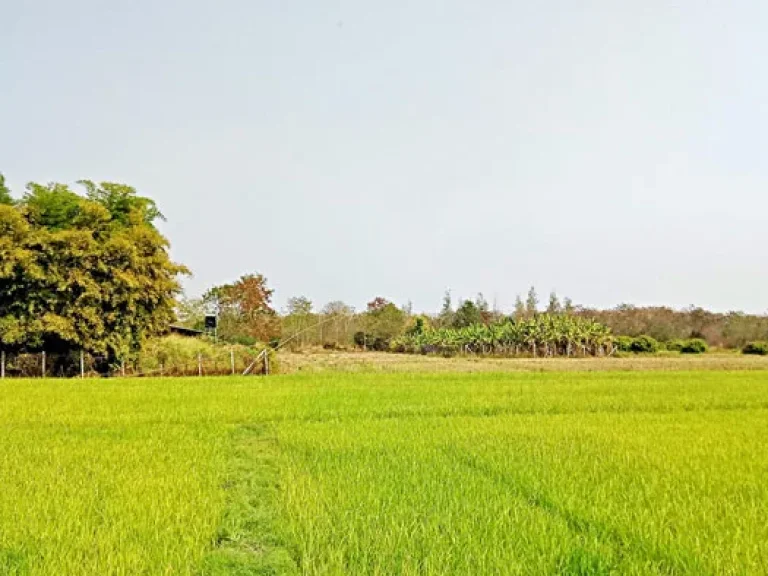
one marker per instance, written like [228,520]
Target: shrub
[694,346]
[644,344]
[758,348]
[624,343]
[675,345]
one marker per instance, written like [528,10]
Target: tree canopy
[83,272]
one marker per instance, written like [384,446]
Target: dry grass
[325,361]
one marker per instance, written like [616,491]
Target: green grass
[518,473]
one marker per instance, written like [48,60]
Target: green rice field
[330,473]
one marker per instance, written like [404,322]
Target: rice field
[363,473]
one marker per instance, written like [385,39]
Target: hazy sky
[614,151]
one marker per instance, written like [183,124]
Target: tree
[298,320]
[467,314]
[554,307]
[245,310]
[486,316]
[5,192]
[519,308]
[299,306]
[445,318]
[341,322]
[568,306]
[531,303]
[73,277]
[383,321]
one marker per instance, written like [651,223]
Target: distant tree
[298,321]
[519,308]
[383,321]
[445,318]
[5,192]
[568,307]
[245,309]
[467,314]
[554,307]
[338,308]
[531,303]
[299,306]
[484,310]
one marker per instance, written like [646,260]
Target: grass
[317,360]
[514,473]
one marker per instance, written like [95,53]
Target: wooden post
[122,367]
[82,364]
[199,364]
[266,362]
[162,369]
[43,363]
[232,361]
[2,364]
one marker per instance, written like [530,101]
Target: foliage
[245,309]
[81,273]
[644,343]
[731,330]
[467,314]
[675,345]
[5,192]
[624,343]
[554,306]
[543,334]
[531,303]
[519,313]
[445,318]
[694,346]
[756,348]
[383,321]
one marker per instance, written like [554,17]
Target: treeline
[87,271]
[468,324]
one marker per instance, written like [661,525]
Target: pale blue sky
[613,151]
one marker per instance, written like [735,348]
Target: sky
[346,149]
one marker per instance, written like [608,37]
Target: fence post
[199,364]
[266,362]
[122,367]
[2,363]
[232,361]
[82,364]
[43,363]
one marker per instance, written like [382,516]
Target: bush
[644,344]
[694,346]
[624,343]
[757,348]
[675,345]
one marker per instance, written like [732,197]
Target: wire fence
[84,365]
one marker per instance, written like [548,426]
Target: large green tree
[90,273]
[5,192]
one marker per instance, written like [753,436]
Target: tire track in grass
[248,540]
[581,561]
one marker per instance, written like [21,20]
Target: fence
[81,364]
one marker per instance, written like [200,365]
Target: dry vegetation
[318,360]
